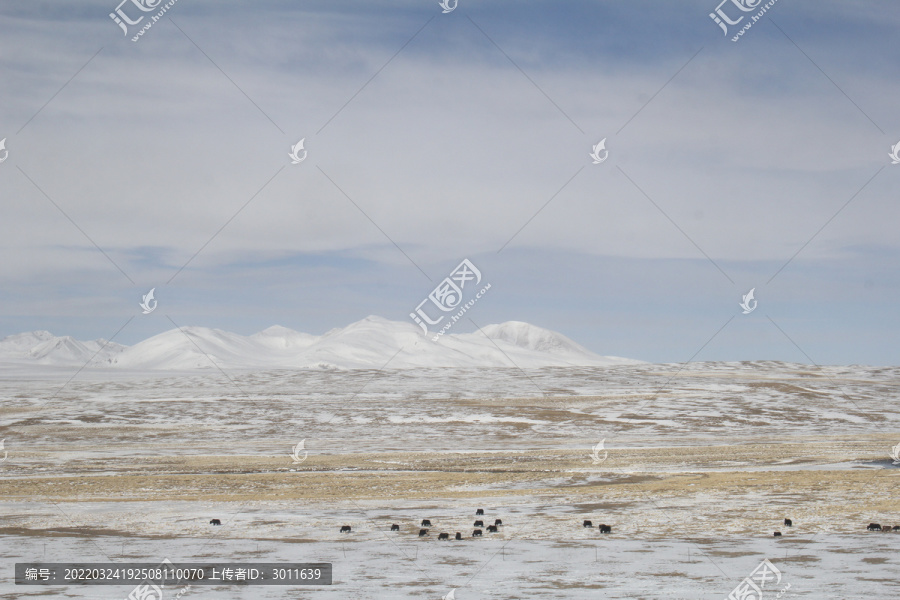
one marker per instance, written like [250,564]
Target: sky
[435,137]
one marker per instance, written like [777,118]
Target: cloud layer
[437,137]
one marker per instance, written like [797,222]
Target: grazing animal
[215,522]
[423,532]
[492,528]
[788,523]
[480,511]
[426,523]
[896,527]
[443,536]
[498,521]
[458,535]
[605,528]
[395,527]
[476,533]
[587,524]
[874,527]
[777,534]
[479,524]
[345,529]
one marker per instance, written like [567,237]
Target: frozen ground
[703,464]
[429,409]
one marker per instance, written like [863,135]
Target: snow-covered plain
[704,460]
[374,565]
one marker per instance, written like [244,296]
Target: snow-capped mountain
[42,347]
[373,342]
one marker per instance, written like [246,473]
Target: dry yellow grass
[684,490]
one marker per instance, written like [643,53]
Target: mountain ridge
[373,342]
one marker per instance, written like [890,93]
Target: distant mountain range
[372,343]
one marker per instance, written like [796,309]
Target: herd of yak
[499,522]
[426,523]
[871,527]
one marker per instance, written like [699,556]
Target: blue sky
[751,152]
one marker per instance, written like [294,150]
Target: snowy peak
[193,348]
[278,337]
[531,337]
[372,343]
[42,347]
